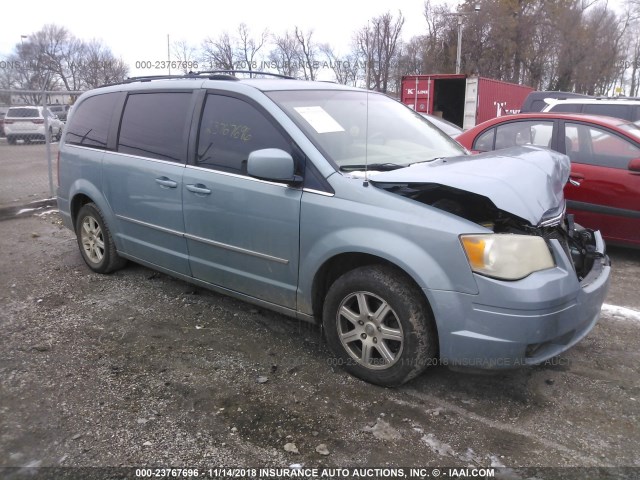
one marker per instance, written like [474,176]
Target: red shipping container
[461,99]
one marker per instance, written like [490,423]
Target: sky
[137,30]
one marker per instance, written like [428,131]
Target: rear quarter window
[89,125]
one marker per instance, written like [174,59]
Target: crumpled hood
[524,181]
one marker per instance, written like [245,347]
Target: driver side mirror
[272,164]
[634,165]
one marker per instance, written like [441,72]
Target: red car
[604,191]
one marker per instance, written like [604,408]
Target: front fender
[443,268]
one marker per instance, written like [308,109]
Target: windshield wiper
[380,167]
[427,161]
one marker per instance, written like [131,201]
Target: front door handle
[166,182]
[199,189]
[576,179]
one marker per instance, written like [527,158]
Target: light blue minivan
[336,205]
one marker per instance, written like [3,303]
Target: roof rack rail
[615,97]
[210,74]
[249,72]
[148,78]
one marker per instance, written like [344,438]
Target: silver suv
[335,205]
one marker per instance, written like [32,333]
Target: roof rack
[251,73]
[210,74]
[148,78]
[616,97]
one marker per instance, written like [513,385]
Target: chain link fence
[31,122]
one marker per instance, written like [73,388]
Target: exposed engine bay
[578,243]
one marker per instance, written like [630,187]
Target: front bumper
[526,322]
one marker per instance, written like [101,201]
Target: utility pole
[459,16]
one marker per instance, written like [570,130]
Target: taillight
[8,122]
[38,121]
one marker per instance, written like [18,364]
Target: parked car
[605,164]
[336,205]
[619,107]
[446,126]
[28,123]
[535,101]
[60,111]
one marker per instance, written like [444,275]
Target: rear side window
[595,146]
[618,111]
[89,125]
[156,125]
[566,108]
[534,132]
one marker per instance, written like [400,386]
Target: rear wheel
[95,241]
[379,326]
[11,139]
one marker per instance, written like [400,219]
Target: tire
[389,316]
[95,241]
[11,140]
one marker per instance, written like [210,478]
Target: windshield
[354,128]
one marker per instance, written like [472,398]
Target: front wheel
[95,241]
[379,326]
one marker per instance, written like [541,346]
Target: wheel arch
[84,192]
[339,264]
[77,202]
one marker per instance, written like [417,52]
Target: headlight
[506,256]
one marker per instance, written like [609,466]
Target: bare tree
[185,54]
[53,59]
[248,47]
[346,70]
[307,53]
[632,37]
[378,42]
[285,56]
[101,67]
[219,53]
[411,56]
[34,68]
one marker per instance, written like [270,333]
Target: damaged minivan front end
[413,251]
[541,278]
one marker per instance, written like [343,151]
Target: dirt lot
[137,368]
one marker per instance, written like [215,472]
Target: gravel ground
[139,369]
